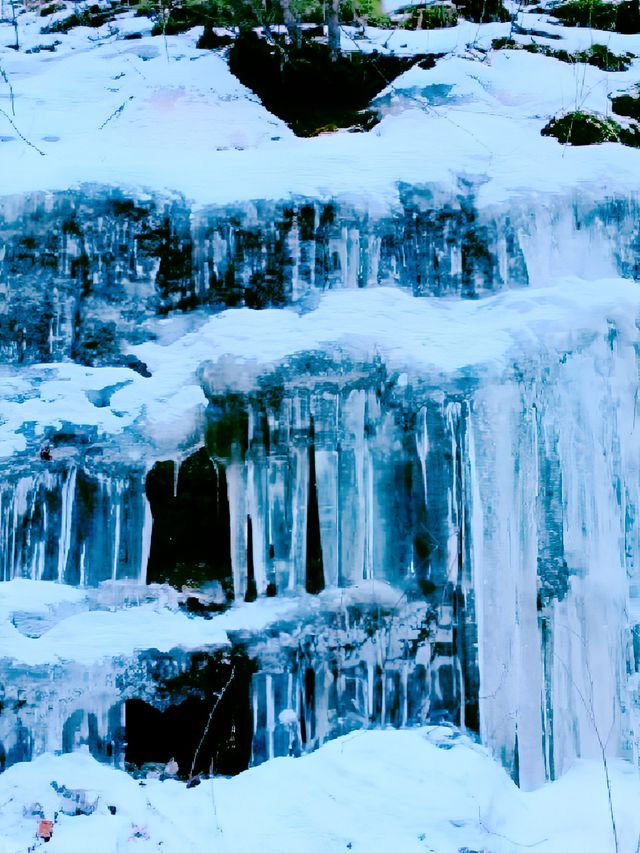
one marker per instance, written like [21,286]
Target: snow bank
[409,791]
[162,114]
[21,594]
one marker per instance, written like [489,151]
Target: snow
[94,635]
[102,628]
[21,594]
[441,340]
[199,131]
[503,88]
[288,717]
[412,791]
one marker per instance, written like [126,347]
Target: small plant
[627,105]
[94,16]
[583,128]
[586,13]
[432,17]
[630,135]
[51,9]
[363,12]
[597,55]
[484,11]
[506,44]
[619,17]
[601,57]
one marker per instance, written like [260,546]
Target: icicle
[271,716]
[66,517]
[238,515]
[116,538]
[145,550]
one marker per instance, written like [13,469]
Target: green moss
[178,17]
[368,12]
[586,13]
[181,18]
[582,128]
[630,136]
[505,44]
[92,16]
[484,11]
[601,57]
[50,9]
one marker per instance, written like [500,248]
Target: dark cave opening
[154,736]
[207,721]
[309,89]
[315,567]
[190,542]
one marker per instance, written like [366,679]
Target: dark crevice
[315,568]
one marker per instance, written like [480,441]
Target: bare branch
[12,99]
[22,137]
[115,113]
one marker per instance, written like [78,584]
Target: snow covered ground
[162,114]
[417,791]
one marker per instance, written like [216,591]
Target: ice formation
[325,463]
[494,488]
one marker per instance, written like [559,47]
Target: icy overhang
[424,342]
[100,631]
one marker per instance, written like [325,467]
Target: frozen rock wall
[499,510]
[80,271]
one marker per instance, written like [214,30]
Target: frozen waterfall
[461,542]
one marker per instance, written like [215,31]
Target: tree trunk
[292,24]
[333,29]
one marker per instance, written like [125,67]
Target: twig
[12,99]
[206,728]
[22,137]
[164,17]
[486,829]
[589,707]
[115,113]
[15,24]
[427,108]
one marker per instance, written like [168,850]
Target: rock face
[80,271]
[462,550]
